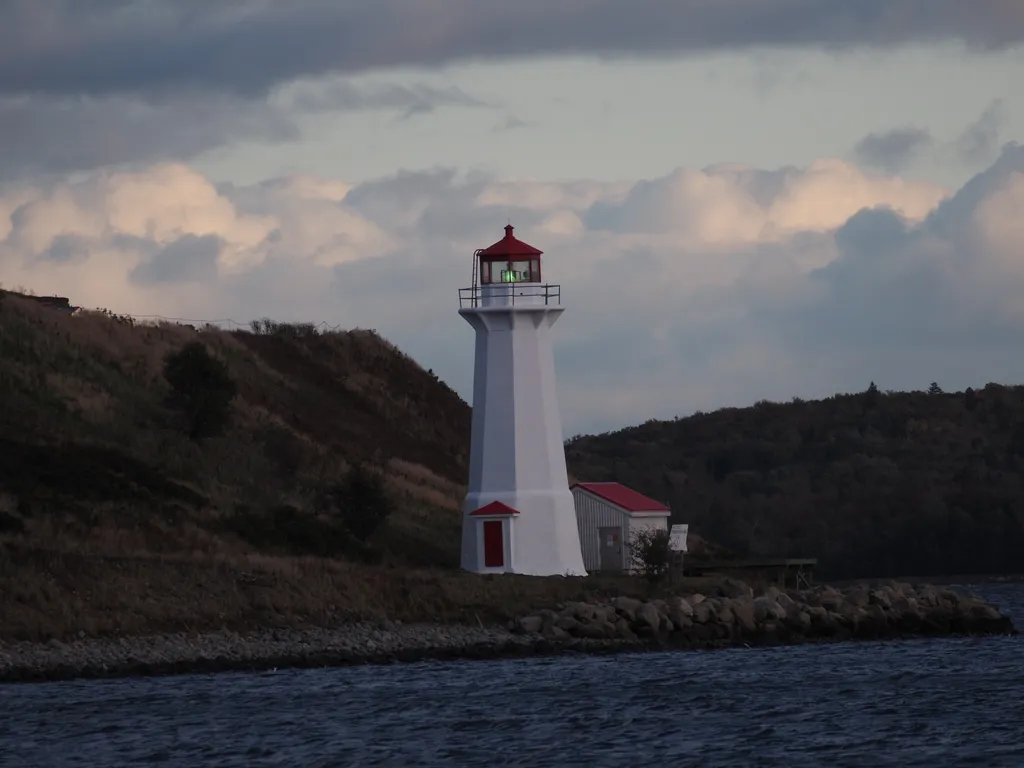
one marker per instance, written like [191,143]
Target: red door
[494,544]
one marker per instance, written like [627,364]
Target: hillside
[872,484]
[91,452]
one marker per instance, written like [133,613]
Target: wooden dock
[796,572]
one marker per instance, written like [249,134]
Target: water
[918,703]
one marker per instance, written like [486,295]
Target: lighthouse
[519,514]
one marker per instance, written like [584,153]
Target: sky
[741,199]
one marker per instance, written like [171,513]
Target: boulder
[603,613]
[531,625]
[831,598]
[900,605]
[679,619]
[580,611]
[785,601]
[766,609]
[877,615]
[553,632]
[851,615]
[569,624]
[743,615]
[623,632]
[903,588]
[927,596]
[881,597]
[857,597]
[702,613]
[680,604]
[592,630]
[627,607]
[734,589]
[648,614]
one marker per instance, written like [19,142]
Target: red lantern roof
[509,246]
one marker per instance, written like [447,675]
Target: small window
[485,272]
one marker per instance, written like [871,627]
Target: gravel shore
[735,617]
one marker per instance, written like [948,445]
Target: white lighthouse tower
[519,514]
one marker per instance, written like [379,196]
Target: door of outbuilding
[611,548]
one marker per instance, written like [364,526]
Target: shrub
[285,528]
[201,389]
[650,553]
[360,502]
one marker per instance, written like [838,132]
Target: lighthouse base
[543,537]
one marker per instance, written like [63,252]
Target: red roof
[624,497]
[494,509]
[510,246]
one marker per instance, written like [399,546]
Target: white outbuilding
[608,515]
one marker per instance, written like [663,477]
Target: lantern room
[508,273]
[509,260]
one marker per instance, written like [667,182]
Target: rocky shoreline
[734,617]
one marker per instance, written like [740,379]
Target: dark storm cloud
[142,46]
[341,95]
[892,150]
[71,133]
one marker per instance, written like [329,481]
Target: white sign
[677,537]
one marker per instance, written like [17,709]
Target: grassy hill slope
[92,457]
[873,484]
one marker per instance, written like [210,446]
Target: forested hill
[872,484]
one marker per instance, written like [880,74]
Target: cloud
[697,289]
[337,94]
[510,123]
[50,135]
[980,140]
[730,204]
[897,149]
[47,134]
[892,150]
[131,46]
[190,258]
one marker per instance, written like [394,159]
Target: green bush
[201,390]
[650,553]
[287,529]
[359,502]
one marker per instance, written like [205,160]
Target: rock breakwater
[735,615]
[739,616]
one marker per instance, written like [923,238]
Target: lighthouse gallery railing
[525,294]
